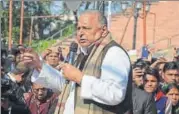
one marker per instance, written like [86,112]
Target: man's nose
[54,58]
[174,97]
[40,92]
[149,83]
[174,77]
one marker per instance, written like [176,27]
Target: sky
[56,7]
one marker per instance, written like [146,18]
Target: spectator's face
[22,49]
[173,95]
[161,68]
[53,59]
[88,29]
[39,91]
[171,76]
[151,84]
[176,54]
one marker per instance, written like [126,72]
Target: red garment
[37,107]
[159,95]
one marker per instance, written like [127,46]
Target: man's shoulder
[27,95]
[115,45]
[141,94]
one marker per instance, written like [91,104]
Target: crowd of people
[160,78]
[102,79]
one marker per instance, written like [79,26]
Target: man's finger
[28,55]
[27,62]
[138,70]
[60,66]
[139,74]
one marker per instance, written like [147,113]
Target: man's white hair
[102,19]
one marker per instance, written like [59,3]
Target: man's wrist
[80,80]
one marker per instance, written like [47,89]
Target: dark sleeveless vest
[92,66]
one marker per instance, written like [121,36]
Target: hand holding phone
[145,52]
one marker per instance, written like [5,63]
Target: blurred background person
[170,73]
[159,64]
[53,56]
[13,86]
[41,100]
[139,68]
[15,55]
[172,92]
[143,102]
[176,54]
[151,85]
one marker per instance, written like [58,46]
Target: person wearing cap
[41,100]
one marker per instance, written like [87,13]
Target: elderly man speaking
[101,82]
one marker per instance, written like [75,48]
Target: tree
[31,8]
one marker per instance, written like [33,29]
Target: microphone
[72,53]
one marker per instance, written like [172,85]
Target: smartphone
[145,52]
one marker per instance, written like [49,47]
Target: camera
[5,84]
[9,90]
[138,65]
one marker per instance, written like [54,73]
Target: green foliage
[15,34]
[41,45]
[31,8]
[68,31]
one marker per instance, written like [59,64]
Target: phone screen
[145,52]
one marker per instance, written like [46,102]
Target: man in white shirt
[102,82]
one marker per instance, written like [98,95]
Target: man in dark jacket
[143,103]
[13,100]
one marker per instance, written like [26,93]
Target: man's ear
[104,31]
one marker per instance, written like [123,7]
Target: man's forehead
[54,53]
[149,76]
[172,71]
[88,18]
[37,85]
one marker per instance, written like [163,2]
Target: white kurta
[110,89]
